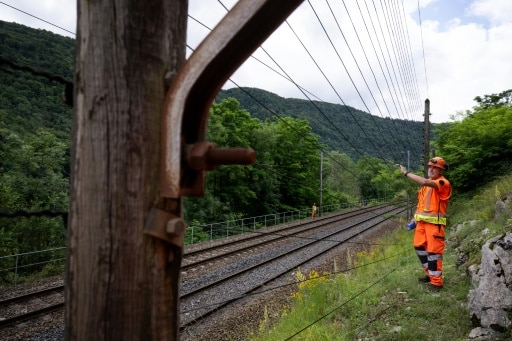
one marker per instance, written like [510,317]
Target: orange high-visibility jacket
[433,203]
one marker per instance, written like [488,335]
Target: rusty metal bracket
[165,226]
[185,156]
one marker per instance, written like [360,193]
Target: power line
[423,48]
[17,9]
[360,71]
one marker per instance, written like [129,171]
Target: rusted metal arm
[185,156]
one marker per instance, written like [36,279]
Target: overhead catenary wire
[423,48]
[197,21]
[360,71]
[398,146]
[33,16]
[285,76]
[411,64]
[316,106]
[293,129]
[381,55]
[397,49]
[291,80]
[399,111]
[288,78]
[294,283]
[257,59]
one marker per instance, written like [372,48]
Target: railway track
[215,290]
[287,243]
[251,241]
[45,304]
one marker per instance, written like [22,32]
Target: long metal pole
[426,147]
[321,181]
[408,196]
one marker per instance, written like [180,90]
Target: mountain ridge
[340,127]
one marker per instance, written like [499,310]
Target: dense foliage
[295,147]
[341,127]
[479,147]
[35,127]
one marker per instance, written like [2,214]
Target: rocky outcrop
[490,299]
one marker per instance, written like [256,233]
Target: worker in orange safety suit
[430,217]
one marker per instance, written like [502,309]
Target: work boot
[435,288]
[425,279]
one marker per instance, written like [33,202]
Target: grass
[380,297]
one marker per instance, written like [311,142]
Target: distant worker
[430,218]
[313,210]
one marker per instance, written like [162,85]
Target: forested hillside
[35,135]
[29,102]
[287,135]
[342,128]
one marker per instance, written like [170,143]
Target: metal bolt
[175,227]
[204,155]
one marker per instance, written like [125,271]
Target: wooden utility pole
[135,155]
[120,281]
[321,206]
[426,144]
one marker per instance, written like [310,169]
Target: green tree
[285,176]
[31,179]
[381,180]
[495,100]
[479,147]
[339,174]
[297,161]
[367,169]
[231,126]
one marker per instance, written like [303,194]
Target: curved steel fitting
[199,79]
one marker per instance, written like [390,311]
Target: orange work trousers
[429,243]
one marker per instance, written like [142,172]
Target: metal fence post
[16,272]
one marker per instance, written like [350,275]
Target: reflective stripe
[431,208]
[434,219]
[434,256]
[425,214]
[422,253]
[428,197]
[434,270]
[435,273]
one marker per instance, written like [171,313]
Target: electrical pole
[121,284]
[408,196]
[321,181]
[139,128]
[426,144]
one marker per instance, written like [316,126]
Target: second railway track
[226,270]
[217,288]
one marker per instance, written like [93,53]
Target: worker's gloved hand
[411,226]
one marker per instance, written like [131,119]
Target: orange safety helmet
[438,162]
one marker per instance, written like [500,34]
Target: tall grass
[379,298]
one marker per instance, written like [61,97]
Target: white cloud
[496,11]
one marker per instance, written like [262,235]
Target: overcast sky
[463,45]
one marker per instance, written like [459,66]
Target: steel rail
[274,235]
[214,308]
